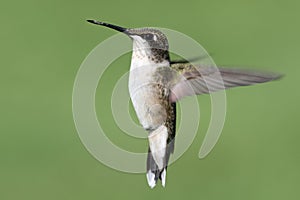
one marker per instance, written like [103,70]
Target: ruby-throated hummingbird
[156,83]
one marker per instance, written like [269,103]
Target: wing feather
[195,80]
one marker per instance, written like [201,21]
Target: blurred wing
[195,80]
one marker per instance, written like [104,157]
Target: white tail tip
[163,178]
[151,179]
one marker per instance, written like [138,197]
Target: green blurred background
[42,46]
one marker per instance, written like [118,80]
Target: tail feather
[152,170]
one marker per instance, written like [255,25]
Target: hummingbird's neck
[144,55]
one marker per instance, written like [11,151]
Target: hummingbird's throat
[143,57]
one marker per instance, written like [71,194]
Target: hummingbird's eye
[148,37]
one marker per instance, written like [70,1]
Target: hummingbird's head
[148,42]
[153,38]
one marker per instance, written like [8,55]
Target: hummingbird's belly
[149,107]
[149,100]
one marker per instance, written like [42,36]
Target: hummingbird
[156,83]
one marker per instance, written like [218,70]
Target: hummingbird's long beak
[117,28]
